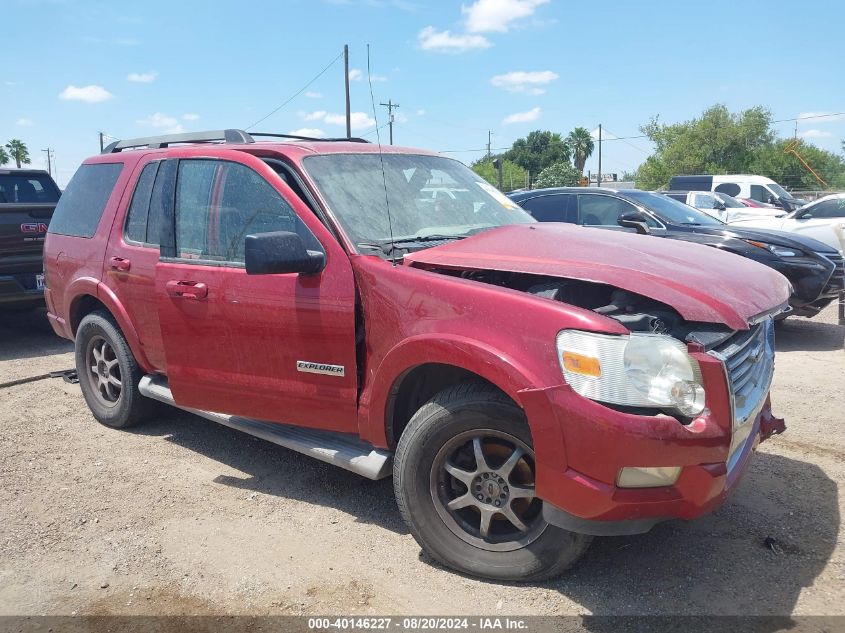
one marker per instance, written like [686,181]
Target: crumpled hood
[700,282]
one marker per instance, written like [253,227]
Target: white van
[757,188]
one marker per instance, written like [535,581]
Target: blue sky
[457,69]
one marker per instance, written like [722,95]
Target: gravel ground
[182,516]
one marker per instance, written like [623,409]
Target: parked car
[757,188]
[27,200]
[823,220]
[721,205]
[814,269]
[528,385]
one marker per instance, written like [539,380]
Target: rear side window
[81,206]
[138,228]
[139,209]
[554,208]
[219,203]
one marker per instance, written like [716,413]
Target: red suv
[386,310]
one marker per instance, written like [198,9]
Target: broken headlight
[636,370]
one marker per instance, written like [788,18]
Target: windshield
[779,191]
[729,201]
[428,196]
[672,211]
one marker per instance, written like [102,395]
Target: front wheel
[464,478]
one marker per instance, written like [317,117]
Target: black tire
[469,410]
[127,407]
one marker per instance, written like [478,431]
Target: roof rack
[213,136]
[351,139]
[156,142]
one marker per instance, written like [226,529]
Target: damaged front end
[655,369]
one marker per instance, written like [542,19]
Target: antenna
[380,156]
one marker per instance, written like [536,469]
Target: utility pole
[598,176]
[101,141]
[390,106]
[346,78]
[489,135]
[49,160]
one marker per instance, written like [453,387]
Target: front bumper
[582,445]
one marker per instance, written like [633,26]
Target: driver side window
[828,209]
[602,210]
[219,203]
[760,193]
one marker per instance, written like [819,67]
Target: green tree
[513,176]
[785,168]
[580,143]
[718,142]
[18,151]
[4,157]
[538,150]
[561,174]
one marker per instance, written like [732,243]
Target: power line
[813,116]
[298,92]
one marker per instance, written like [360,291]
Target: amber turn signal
[581,364]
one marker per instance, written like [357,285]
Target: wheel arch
[85,303]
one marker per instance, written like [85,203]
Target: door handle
[120,264]
[187,289]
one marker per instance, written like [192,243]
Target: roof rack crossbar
[156,142]
[351,139]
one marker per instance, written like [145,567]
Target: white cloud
[308,131]
[86,94]
[317,115]
[142,78]
[355,74]
[814,134]
[25,122]
[190,116]
[358,120]
[822,117]
[522,81]
[162,122]
[485,16]
[522,117]
[430,39]
[314,95]
[420,112]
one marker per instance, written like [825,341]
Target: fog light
[634,477]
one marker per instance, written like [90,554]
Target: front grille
[837,279]
[749,360]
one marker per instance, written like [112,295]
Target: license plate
[39,281]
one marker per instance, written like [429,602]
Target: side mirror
[634,220]
[773,200]
[280,252]
[720,206]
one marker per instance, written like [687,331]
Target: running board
[340,449]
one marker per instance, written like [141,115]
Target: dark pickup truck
[27,200]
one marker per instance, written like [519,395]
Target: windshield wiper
[387,247]
[691,223]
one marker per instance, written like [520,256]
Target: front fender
[495,366]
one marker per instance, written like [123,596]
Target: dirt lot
[184,516]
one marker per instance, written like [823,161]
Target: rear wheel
[464,480]
[108,373]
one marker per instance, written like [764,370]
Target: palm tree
[19,151]
[4,157]
[580,142]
